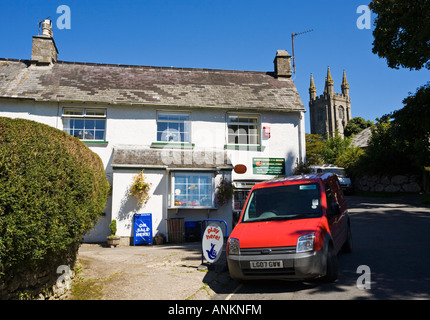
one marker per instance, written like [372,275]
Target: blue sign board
[142,228]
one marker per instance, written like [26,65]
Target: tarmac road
[390,237]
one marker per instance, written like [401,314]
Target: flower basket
[140,188]
[224,192]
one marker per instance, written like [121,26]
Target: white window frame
[174,204]
[242,123]
[186,123]
[85,114]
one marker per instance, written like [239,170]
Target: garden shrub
[53,188]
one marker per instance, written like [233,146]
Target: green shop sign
[272,166]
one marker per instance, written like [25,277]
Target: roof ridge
[159,67]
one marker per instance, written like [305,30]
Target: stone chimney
[44,51]
[282,64]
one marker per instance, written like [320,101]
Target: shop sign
[270,166]
[212,243]
[142,228]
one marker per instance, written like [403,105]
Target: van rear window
[299,201]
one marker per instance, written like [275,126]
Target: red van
[291,227]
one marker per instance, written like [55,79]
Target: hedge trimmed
[53,188]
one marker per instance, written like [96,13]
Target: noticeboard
[142,228]
[271,166]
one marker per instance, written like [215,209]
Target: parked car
[291,227]
[345,182]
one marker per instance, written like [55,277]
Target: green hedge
[52,191]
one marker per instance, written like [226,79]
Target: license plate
[274,264]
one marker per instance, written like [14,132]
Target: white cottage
[186,128]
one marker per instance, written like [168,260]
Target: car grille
[267,251]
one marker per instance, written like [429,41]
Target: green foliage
[402,33]
[52,191]
[140,188]
[340,152]
[333,147]
[400,142]
[224,191]
[112,227]
[301,168]
[356,125]
[314,145]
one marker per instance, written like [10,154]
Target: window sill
[249,147]
[173,145]
[97,142]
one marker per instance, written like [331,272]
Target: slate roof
[183,158]
[362,138]
[144,85]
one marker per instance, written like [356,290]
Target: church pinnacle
[312,89]
[345,85]
[329,82]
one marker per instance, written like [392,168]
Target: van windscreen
[298,201]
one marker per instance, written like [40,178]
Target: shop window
[193,190]
[85,124]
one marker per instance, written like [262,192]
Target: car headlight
[305,243]
[233,246]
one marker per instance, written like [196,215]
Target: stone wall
[398,183]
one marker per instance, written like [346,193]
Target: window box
[172,145]
[249,147]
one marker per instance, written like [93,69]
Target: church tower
[329,112]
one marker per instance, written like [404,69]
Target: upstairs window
[243,130]
[85,124]
[173,127]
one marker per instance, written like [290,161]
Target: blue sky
[234,34]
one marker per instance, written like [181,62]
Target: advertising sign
[142,228]
[272,166]
[212,243]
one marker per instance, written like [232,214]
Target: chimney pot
[47,28]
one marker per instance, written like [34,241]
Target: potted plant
[113,240]
[140,188]
[159,238]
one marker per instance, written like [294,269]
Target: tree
[402,32]
[314,145]
[412,126]
[53,189]
[356,125]
[341,152]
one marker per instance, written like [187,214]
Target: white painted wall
[136,126]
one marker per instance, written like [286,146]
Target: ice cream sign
[212,243]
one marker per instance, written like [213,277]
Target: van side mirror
[335,209]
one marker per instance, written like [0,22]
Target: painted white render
[135,127]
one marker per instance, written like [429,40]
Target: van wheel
[332,271]
[347,246]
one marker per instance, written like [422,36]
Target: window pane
[95,112]
[193,190]
[99,135]
[89,124]
[100,124]
[74,112]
